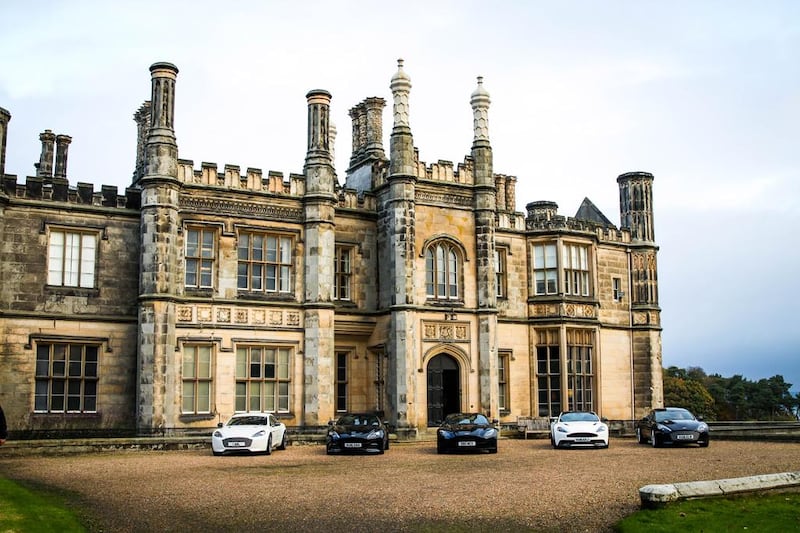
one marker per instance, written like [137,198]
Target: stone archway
[444,388]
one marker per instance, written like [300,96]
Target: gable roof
[588,211]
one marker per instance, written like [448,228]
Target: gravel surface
[526,486]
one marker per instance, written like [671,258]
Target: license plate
[352,445]
[685,437]
[582,439]
[466,443]
[235,444]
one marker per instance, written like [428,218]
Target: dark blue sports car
[672,425]
[465,432]
[357,432]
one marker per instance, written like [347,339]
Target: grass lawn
[35,511]
[778,512]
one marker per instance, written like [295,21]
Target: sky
[705,95]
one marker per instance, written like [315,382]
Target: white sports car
[250,432]
[578,428]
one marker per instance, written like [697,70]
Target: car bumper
[238,445]
[680,438]
[582,442]
[466,444]
[355,446]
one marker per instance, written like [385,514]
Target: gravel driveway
[526,486]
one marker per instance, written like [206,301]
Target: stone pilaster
[159,392]
[320,241]
[485,209]
[44,169]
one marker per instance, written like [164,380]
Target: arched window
[442,265]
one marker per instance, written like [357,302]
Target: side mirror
[604,420]
[330,422]
[495,421]
[700,418]
[219,424]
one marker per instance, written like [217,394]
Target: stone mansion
[410,289]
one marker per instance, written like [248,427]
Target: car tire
[439,450]
[553,442]
[703,443]
[654,439]
[284,442]
[639,437]
[216,453]
[492,450]
[387,444]
[268,451]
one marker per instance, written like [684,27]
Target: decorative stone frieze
[445,331]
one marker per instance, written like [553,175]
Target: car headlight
[259,434]
[702,427]
[375,434]
[561,429]
[664,429]
[602,428]
[333,435]
[490,433]
[445,434]
[218,434]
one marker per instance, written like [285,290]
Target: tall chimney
[5,116]
[62,145]
[44,169]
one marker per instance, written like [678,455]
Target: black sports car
[357,432]
[671,425]
[461,432]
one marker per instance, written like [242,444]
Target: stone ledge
[654,496]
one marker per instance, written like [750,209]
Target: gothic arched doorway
[444,388]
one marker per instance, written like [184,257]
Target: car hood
[240,431]
[465,427]
[677,425]
[354,430]
[581,426]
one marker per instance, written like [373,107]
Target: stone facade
[410,289]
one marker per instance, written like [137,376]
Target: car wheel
[639,437]
[217,453]
[269,446]
[387,444]
[439,450]
[703,443]
[654,439]
[284,442]
[553,442]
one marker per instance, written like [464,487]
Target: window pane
[203,397]
[188,397]
[189,362]
[241,363]
[204,362]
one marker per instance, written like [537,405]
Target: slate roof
[589,211]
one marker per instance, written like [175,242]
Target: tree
[690,394]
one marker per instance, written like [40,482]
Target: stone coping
[655,496]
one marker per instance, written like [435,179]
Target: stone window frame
[504,358]
[580,369]
[211,259]
[343,278]
[450,246]
[545,268]
[62,370]
[280,265]
[98,234]
[576,268]
[501,270]
[342,379]
[196,380]
[281,398]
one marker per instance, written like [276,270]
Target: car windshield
[248,421]
[673,414]
[359,420]
[467,419]
[579,417]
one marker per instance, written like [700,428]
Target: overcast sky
[704,95]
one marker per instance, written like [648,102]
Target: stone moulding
[654,496]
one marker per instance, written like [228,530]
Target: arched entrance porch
[444,388]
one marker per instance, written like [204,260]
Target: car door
[276,430]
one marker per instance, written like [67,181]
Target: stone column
[485,209]
[159,392]
[320,240]
[44,169]
[62,146]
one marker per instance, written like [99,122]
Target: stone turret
[320,242]
[636,204]
[484,211]
[160,279]
[396,244]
